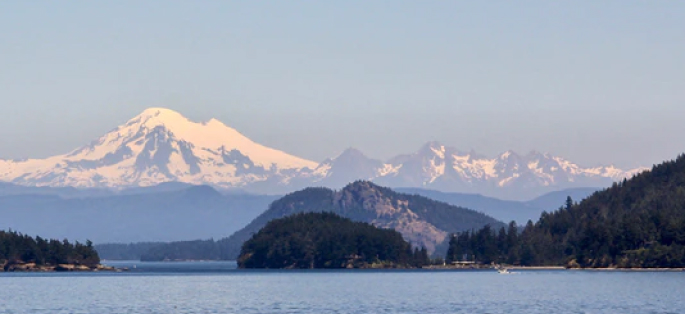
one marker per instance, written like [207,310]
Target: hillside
[326,240]
[636,223]
[421,221]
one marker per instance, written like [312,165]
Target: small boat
[502,270]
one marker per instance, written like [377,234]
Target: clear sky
[597,82]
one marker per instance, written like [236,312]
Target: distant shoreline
[609,269]
[536,267]
[594,269]
[33,267]
[452,267]
[632,269]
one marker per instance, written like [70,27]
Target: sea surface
[218,287]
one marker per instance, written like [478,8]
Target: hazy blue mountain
[350,166]
[162,187]
[7,188]
[553,200]
[505,210]
[197,212]
[502,210]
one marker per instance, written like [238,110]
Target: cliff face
[391,211]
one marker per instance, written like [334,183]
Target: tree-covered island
[20,252]
[326,240]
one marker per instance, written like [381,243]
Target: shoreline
[677,269]
[380,267]
[536,267]
[33,267]
[603,269]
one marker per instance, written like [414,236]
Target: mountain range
[161,145]
[196,212]
[506,210]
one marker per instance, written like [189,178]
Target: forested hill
[636,223]
[16,248]
[421,221]
[326,240]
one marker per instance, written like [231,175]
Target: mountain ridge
[172,215]
[160,145]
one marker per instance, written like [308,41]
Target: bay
[218,287]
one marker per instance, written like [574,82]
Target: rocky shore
[453,266]
[33,267]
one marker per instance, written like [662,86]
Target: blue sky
[595,81]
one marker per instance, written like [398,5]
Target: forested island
[637,223]
[326,240]
[20,252]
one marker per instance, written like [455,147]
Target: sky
[598,82]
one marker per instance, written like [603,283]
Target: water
[214,287]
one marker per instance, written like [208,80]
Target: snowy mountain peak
[161,113]
[508,155]
[161,145]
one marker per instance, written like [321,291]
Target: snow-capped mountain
[509,175]
[160,145]
[351,165]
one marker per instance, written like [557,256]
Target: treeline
[326,240]
[635,223]
[183,250]
[123,251]
[18,248]
[161,251]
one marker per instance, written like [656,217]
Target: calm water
[171,288]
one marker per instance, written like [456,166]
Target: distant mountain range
[196,212]
[178,211]
[506,210]
[160,145]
